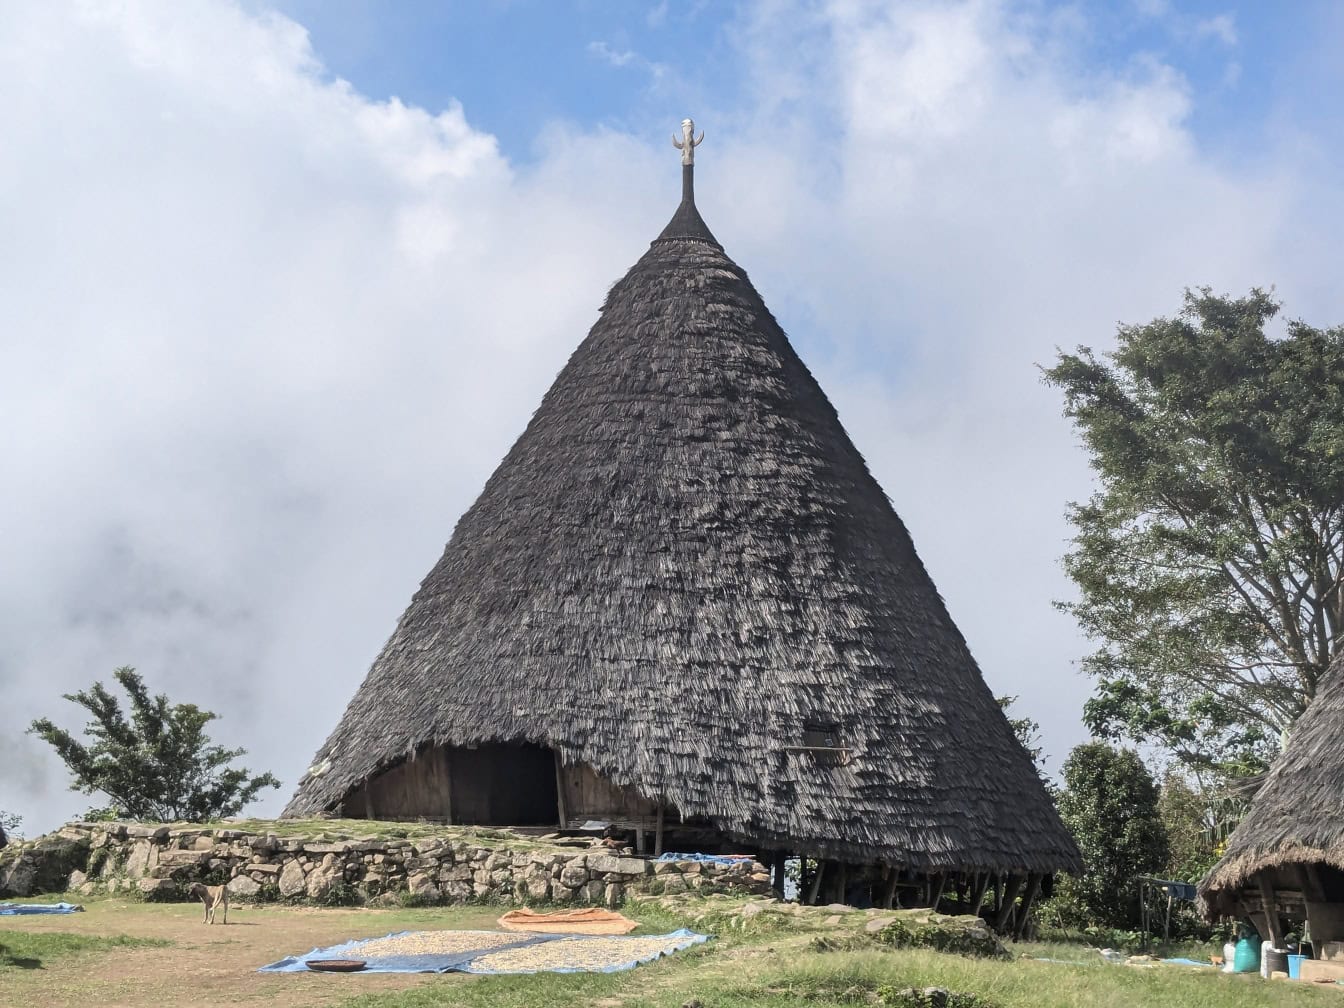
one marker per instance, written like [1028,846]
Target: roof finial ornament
[687,144]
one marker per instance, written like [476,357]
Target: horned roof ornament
[688,142]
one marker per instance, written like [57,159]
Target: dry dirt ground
[213,964]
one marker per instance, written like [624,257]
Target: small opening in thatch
[821,736]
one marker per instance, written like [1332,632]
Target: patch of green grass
[767,972]
[34,949]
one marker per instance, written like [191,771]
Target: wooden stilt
[889,896]
[560,794]
[840,884]
[781,857]
[1271,914]
[998,894]
[816,883]
[936,885]
[1028,901]
[658,832]
[978,892]
[448,786]
[1006,904]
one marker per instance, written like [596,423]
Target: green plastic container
[1247,956]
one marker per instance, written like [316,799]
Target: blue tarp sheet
[676,941]
[462,962]
[12,909]
[707,858]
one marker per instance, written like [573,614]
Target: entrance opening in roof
[494,784]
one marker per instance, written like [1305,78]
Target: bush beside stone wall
[161,862]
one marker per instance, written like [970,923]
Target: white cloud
[265,338]
[1222,27]
[622,58]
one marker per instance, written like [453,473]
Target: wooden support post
[1271,914]
[936,886]
[978,892]
[889,896]
[658,832]
[1028,901]
[1309,881]
[1006,904]
[840,884]
[639,840]
[560,792]
[781,857]
[448,786]
[1166,924]
[998,895]
[816,883]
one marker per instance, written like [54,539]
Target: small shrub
[941,937]
[268,893]
[341,894]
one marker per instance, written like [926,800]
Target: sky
[283,281]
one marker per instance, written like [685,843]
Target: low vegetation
[35,950]
[763,956]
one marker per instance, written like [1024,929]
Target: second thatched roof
[1297,817]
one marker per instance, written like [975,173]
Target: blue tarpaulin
[12,909]
[676,941]
[708,858]
[463,962]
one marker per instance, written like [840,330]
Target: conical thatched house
[1284,863]
[682,604]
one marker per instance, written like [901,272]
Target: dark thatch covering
[683,561]
[1297,816]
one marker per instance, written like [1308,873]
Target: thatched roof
[681,562]
[1297,816]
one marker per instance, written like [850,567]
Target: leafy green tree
[159,765]
[10,825]
[1210,562]
[1187,820]
[1109,803]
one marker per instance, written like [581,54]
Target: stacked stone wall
[450,866]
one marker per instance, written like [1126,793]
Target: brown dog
[214,897]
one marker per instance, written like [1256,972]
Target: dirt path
[213,965]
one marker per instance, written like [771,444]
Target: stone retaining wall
[451,865]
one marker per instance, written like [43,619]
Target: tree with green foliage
[9,827]
[1210,562]
[1187,820]
[159,765]
[1110,803]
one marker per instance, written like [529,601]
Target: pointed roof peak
[687,222]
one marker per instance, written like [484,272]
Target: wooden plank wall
[588,796]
